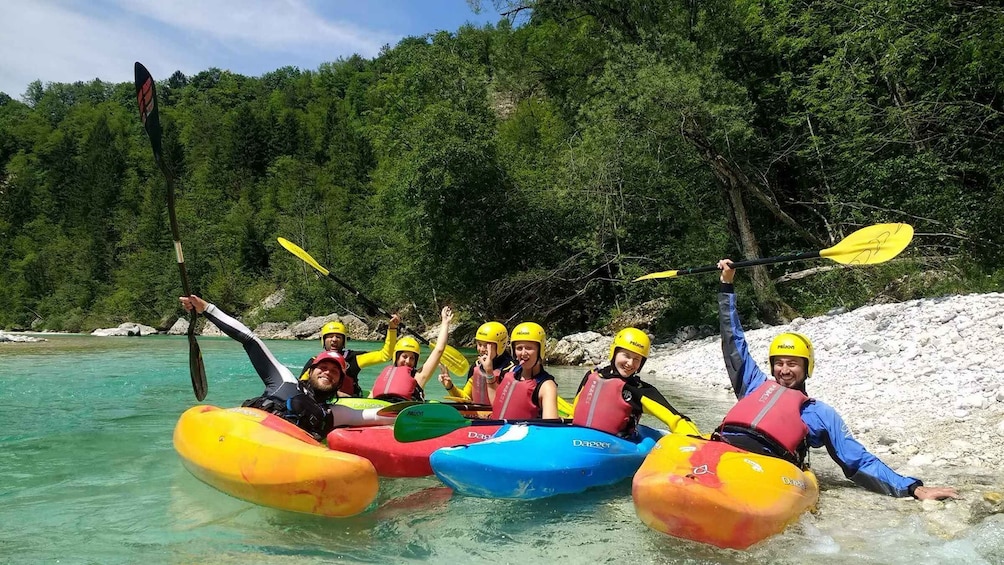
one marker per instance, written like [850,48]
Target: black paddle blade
[146,97]
[197,369]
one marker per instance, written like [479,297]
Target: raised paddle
[146,96]
[452,359]
[398,407]
[867,246]
[417,423]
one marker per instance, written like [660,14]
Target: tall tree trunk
[733,182]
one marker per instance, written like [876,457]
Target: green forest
[528,170]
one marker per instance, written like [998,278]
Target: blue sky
[71,40]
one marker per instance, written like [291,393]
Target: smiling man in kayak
[778,418]
[302,402]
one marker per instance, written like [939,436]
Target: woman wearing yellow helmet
[334,338]
[783,421]
[527,390]
[400,381]
[609,398]
[494,360]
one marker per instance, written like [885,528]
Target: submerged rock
[12,338]
[126,329]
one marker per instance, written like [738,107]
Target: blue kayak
[532,461]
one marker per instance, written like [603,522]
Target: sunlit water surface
[88,475]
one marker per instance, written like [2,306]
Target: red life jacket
[774,412]
[349,384]
[396,382]
[601,405]
[479,385]
[514,399]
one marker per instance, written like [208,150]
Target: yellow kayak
[261,458]
[711,492]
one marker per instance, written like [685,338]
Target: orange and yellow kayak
[261,458]
[711,492]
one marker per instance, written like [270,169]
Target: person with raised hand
[494,361]
[400,380]
[527,390]
[305,403]
[334,337]
[777,417]
[610,398]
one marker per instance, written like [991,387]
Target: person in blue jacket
[764,422]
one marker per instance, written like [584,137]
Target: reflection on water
[90,476]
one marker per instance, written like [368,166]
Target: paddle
[149,114]
[867,246]
[676,422]
[453,359]
[417,423]
[398,407]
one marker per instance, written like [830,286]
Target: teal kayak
[536,461]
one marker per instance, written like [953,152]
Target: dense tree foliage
[527,170]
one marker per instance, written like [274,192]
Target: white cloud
[289,25]
[57,41]
[54,43]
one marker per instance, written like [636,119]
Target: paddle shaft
[753,262]
[374,306]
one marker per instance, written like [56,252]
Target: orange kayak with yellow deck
[711,492]
[261,458]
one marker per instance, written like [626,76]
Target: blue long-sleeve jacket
[826,427]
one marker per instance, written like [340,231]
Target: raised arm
[272,372]
[385,353]
[742,369]
[429,367]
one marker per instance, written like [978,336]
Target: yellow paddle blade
[565,409]
[677,423]
[660,275]
[870,245]
[455,361]
[299,252]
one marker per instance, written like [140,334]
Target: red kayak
[393,458]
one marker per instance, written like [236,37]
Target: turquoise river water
[88,474]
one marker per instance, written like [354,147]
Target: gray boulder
[274,330]
[180,327]
[12,338]
[585,348]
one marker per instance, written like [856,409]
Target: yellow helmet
[793,345]
[493,332]
[407,343]
[631,339]
[530,331]
[335,327]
